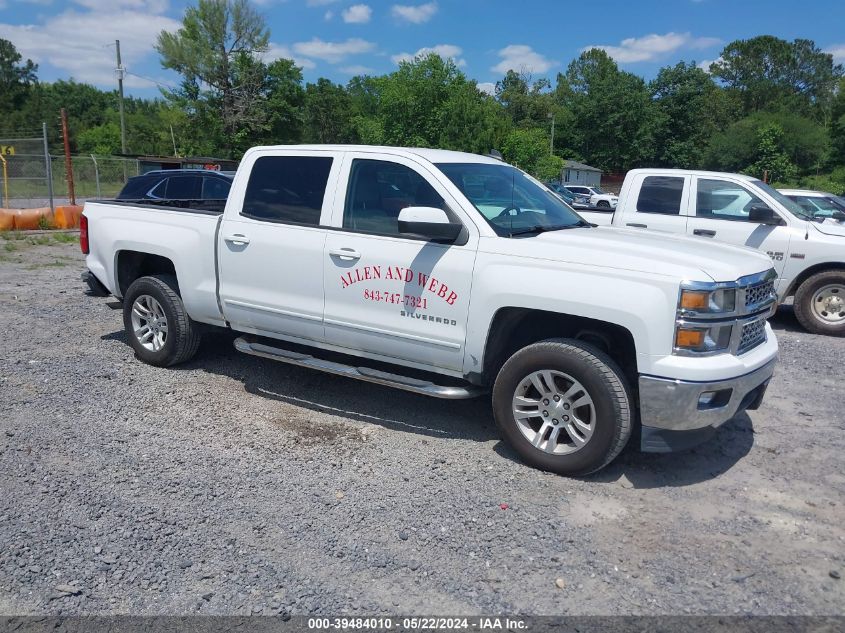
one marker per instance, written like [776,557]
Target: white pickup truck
[449,274]
[807,252]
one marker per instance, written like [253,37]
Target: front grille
[753,334]
[758,293]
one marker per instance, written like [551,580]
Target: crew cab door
[656,202]
[270,252]
[720,211]
[389,295]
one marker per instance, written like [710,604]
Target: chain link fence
[29,178]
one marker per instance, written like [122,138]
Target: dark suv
[177,184]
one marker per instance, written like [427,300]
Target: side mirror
[761,214]
[838,215]
[429,222]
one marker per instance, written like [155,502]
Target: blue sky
[341,38]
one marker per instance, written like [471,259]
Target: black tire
[603,204]
[183,336]
[600,377]
[803,304]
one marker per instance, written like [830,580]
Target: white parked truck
[807,252]
[449,274]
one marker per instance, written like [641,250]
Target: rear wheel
[154,317]
[564,406]
[820,303]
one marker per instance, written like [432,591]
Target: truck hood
[677,256]
[830,227]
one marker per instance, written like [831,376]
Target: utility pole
[68,164]
[120,72]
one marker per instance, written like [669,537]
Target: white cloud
[446,51]
[356,69]
[357,14]
[838,52]
[520,57]
[276,51]
[704,64]
[654,46]
[328,15]
[487,87]
[415,14]
[78,43]
[333,52]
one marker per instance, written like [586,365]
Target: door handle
[345,253]
[704,232]
[238,239]
[639,226]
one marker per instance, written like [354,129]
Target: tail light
[83,234]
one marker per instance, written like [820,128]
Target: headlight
[707,301]
[703,338]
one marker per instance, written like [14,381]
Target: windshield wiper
[543,228]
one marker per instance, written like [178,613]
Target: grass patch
[10,247]
[66,238]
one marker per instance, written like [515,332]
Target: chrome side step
[248,345]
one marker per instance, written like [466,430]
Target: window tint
[661,194]
[583,190]
[818,206]
[136,188]
[287,189]
[160,190]
[183,188]
[215,188]
[722,200]
[379,190]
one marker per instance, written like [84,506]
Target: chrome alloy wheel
[554,412]
[829,303]
[149,323]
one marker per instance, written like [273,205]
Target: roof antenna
[494,153]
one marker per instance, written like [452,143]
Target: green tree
[16,77]
[216,52]
[691,109]
[525,148]
[803,140]
[526,101]
[328,113]
[284,102]
[613,117]
[768,72]
[771,158]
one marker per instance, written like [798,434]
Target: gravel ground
[236,485]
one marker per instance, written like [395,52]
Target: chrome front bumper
[678,405]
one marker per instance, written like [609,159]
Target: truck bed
[181,232]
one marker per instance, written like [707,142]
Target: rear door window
[661,194]
[287,189]
[183,187]
[215,188]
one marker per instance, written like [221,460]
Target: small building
[575,173]
[155,163]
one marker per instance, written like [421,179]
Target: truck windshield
[511,201]
[790,205]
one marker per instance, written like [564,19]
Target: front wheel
[603,204]
[563,406]
[820,303]
[159,329]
